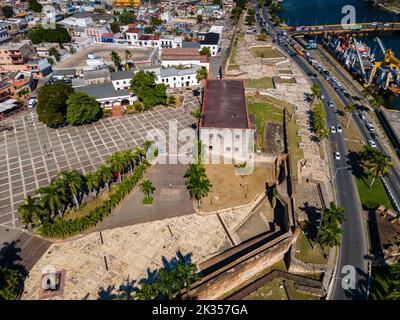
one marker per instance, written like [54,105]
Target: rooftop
[122,75]
[211,38]
[188,44]
[103,91]
[170,72]
[224,105]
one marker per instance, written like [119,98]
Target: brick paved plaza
[33,154]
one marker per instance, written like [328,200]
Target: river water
[312,12]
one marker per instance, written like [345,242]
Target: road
[393,179]
[354,249]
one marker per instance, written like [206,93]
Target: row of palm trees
[70,187]
[330,232]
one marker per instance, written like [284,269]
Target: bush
[82,109]
[62,228]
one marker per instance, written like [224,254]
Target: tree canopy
[82,109]
[144,87]
[34,6]
[57,35]
[127,17]
[8,11]
[205,51]
[52,106]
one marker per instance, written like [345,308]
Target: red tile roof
[132,29]
[149,37]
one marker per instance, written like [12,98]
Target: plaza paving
[131,252]
[32,154]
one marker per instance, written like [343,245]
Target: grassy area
[230,189]
[308,254]
[277,266]
[266,52]
[261,83]
[274,290]
[371,198]
[148,201]
[295,152]
[85,209]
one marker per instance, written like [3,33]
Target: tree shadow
[129,288]
[360,292]
[313,220]
[354,161]
[340,113]
[10,258]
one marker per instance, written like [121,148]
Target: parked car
[361,115]
[330,104]
[339,128]
[32,102]
[322,97]
[333,129]
[337,155]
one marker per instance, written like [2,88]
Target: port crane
[386,73]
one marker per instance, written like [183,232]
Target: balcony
[15,56]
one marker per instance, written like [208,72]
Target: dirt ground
[101,50]
[231,190]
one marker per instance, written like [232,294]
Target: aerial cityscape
[200,150]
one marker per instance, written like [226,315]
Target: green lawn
[261,83]
[266,52]
[307,253]
[374,196]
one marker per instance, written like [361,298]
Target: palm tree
[333,215]
[197,182]
[147,144]
[52,198]
[129,159]
[367,92]
[74,183]
[376,102]
[128,55]
[139,154]
[377,166]
[117,164]
[147,187]
[30,211]
[316,91]
[202,74]
[350,108]
[330,235]
[93,182]
[105,175]
[116,59]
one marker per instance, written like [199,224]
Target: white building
[4,35]
[178,78]
[211,41]
[121,79]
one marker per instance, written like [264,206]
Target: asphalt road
[354,249]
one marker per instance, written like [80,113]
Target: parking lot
[33,154]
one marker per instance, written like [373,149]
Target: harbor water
[320,12]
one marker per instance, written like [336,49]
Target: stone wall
[237,275]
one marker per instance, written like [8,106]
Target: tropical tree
[377,101]
[376,163]
[350,108]
[10,283]
[93,182]
[201,75]
[205,51]
[129,159]
[74,183]
[139,154]
[82,109]
[116,59]
[52,198]
[30,211]
[117,164]
[147,188]
[171,100]
[316,91]
[105,175]
[144,87]
[333,215]
[330,235]
[197,182]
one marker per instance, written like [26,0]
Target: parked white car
[339,128]
[372,143]
[333,129]
[337,155]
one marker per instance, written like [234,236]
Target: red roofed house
[183,57]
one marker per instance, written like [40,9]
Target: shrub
[65,228]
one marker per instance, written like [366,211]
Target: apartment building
[126,3]
[13,56]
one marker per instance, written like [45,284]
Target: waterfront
[312,12]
